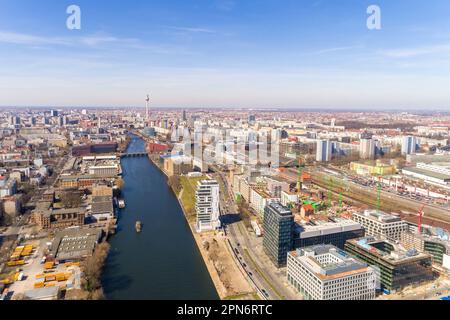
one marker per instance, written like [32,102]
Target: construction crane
[301,167]
[419,219]
[379,196]
[330,192]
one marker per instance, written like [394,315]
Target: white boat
[121,203]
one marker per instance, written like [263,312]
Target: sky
[226,53]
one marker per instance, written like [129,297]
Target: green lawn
[188,196]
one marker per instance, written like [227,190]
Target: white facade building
[409,145]
[324,150]
[207,205]
[324,272]
[381,225]
[367,149]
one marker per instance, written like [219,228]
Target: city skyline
[226,54]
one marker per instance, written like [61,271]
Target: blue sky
[226,53]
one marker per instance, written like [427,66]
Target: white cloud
[28,39]
[418,51]
[193,29]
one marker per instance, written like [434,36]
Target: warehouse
[75,244]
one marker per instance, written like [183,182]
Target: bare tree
[93,267]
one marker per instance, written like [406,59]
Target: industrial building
[373,168]
[398,268]
[435,173]
[325,272]
[59,218]
[75,244]
[278,229]
[207,205]
[380,224]
[334,231]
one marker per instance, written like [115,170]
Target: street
[270,283]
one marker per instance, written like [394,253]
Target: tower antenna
[147,114]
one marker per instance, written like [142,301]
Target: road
[270,283]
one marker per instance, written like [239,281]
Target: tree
[93,267]
[120,183]
[71,200]
[175,184]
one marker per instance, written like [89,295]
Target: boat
[121,203]
[138,226]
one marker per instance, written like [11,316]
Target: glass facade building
[278,233]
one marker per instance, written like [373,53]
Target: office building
[439,249]
[381,225]
[324,150]
[278,227]
[335,231]
[397,267]
[409,145]
[207,205]
[324,272]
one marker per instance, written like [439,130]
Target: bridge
[134,154]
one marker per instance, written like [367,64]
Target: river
[162,262]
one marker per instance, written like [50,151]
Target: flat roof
[46,293]
[339,263]
[429,173]
[397,256]
[322,228]
[380,216]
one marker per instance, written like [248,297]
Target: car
[245,266]
[250,274]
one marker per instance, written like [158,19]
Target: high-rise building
[324,150]
[251,118]
[207,205]
[15,120]
[184,115]
[54,113]
[409,145]
[278,230]
[325,272]
[367,147]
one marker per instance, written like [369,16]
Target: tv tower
[147,114]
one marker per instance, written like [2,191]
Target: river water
[162,262]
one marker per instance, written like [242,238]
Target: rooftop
[329,262]
[388,251]
[75,243]
[429,173]
[316,228]
[280,209]
[380,216]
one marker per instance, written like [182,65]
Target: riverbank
[225,274]
[162,262]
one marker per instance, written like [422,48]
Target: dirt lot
[224,272]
